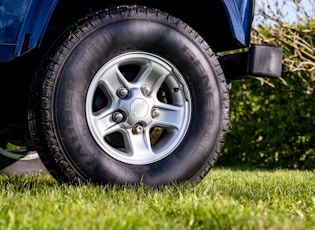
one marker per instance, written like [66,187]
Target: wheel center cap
[139,108]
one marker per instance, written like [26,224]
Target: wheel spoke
[171,116]
[153,76]
[138,145]
[113,80]
[104,122]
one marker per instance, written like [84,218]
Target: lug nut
[155,113]
[145,90]
[137,129]
[122,92]
[118,117]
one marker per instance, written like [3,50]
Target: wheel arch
[227,22]
[231,32]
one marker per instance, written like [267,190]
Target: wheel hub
[139,108]
[136,107]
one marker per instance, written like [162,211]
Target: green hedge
[273,120]
[270,127]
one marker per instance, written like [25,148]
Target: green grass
[225,199]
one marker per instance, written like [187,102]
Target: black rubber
[57,109]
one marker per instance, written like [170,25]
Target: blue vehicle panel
[23,23]
[12,18]
[240,15]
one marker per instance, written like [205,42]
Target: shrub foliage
[273,120]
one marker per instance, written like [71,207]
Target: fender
[23,24]
[237,12]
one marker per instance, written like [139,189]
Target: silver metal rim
[138,108]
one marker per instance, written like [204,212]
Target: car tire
[129,95]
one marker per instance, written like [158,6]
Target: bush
[273,120]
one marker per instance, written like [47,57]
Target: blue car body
[23,23]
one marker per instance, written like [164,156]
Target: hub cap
[138,108]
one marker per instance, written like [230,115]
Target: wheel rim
[19,155]
[138,108]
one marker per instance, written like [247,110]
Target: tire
[129,96]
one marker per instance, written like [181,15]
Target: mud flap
[264,61]
[257,60]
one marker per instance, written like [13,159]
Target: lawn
[226,199]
